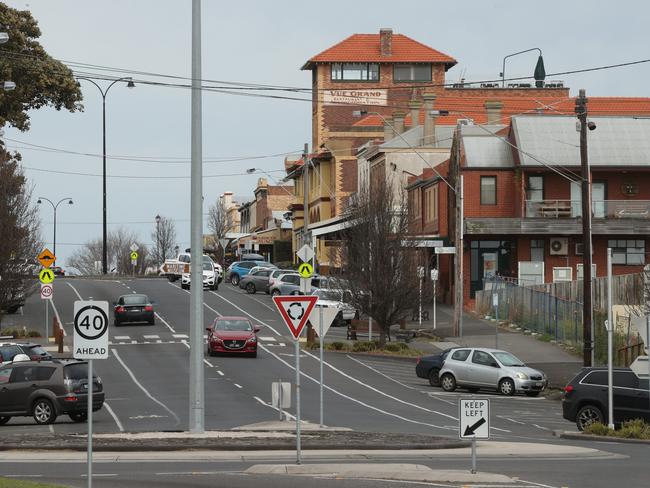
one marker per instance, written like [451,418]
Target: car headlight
[522,376]
[252,340]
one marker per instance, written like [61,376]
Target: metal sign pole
[90,424]
[280,398]
[434,304]
[420,312]
[647,337]
[297,400]
[496,324]
[610,327]
[47,337]
[474,455]
[320,338]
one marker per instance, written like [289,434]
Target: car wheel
[448,382]
[295,292]
[587,415]
[275,293]
[250,288]
[4,420]
[152,322]
[215,287]
[43,411]
[532,393]
[116,323]
[171,278]
[507,387]
[185,287]
[234,280]
[78,417]
[434,378]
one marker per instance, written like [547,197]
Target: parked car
[133,308]
[481,368]
[47,389]
[585,397]
[232,335]
[276,274]
[339,299]
[35,352]
[256,280]
[239,269]
[210,277]
[58,271]
[429,367]
[289,284]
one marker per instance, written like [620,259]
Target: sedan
[491,369]
[256,280]
[232,335]
[133,308]
[429,367]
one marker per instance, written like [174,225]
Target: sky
[261,41]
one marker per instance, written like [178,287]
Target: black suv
[585,397]
[8,350]
[47,389]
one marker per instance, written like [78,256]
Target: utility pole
[197,390]
[458,257]
[581,112]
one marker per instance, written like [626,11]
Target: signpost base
[474,455]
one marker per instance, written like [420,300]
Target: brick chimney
[389,133]
[429,132]
[398,122]
[414,106]
[386,42]
[493,109]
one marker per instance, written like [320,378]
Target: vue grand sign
[355,97]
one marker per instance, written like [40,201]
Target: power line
[155,177]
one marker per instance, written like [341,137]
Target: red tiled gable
[473,108]
[366,48]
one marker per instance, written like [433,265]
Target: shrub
[33,333]
[364,346]
[393,347]
[338,346]
[598,429]
[634,429]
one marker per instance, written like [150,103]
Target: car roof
[134,295]
[28,344]
[232,317]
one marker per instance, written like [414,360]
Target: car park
[47,389]
[585,397]
[35,352]
[429,367]
[210,277]
[493,369]
[256,280]
[239,269]
[133,308]
[339,299]
[232,335]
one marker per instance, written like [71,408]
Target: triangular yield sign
[328,315]
[295,311]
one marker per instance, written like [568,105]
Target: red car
[232,335]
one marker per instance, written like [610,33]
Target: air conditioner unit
[579,275]
[559,246]
[562,274]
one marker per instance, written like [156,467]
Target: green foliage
[33,333]
[598,429]
[364,346]
[41,81]
[15,483]
[337,346]
[392,347]
[631,429]
[20,333]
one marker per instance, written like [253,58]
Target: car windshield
[208,266]
[243,325]
[135,299]
[38,350]
[508,359]
[328,295]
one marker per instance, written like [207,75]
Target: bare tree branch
[164,238]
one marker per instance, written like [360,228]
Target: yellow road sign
[134,256]
[305,270]
[46,276]
[46,258]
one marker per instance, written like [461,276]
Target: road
[146,382]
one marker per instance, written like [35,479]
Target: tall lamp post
[104,92]
[54,207]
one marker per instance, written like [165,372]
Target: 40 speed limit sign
[90,330]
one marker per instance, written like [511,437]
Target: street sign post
[281,395]
[434,279]
[295,311]
[305,253]
[223,243]
[90,342]
[474,415]
[47,293]
[445,250]
[46,276]
[46,258]
[322,320]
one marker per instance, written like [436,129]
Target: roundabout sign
[90,330]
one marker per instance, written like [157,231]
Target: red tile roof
[366,48]
[473,108]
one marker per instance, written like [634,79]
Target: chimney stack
[493,109]
[398,122]
[414,106]
[429,132]
[386,42]
[389,133]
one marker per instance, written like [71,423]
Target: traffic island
[229,441]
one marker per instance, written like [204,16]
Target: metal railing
[601,209]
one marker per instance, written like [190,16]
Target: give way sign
[295,311]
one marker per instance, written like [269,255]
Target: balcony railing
[601,209]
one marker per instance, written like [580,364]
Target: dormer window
[412,72]
[355,72]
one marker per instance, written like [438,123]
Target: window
[412,72]
[488,190]
[482,358]
[596,378]
[460,355]
[629,251]
[5,373]
[535,190]
[431,204]
[508,359]
[22,375]
[355,72]
[8,352]
[44,373]
[537,249]
[623,379]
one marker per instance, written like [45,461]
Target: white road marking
[146,392]
[75,290]
[238,386]
[182,336]
[511,420]
[207,363]
[286,414]
[152,336]
[164,322]
[268,338]
[122,338]
[51,428]
[220,373]
[117,421]
[540,427]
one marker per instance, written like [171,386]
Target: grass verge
[16,483]
[391,349]
[631,429]
[20,333]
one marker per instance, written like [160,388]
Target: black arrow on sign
[469,430]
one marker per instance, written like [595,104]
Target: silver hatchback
[494,369]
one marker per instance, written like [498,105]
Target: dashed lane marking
[122,338]
[267,338]
[181,336]
[154,336]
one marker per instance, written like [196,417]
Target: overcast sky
[262,41]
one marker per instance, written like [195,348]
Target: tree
[118,246]
[379,261]
[20,240]
[219,223]
[40,80]
[164,238]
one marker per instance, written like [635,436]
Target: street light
[129,84]
[158,237]
[250,171]
[54,207]
[540,74]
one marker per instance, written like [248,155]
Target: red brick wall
[505,207]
